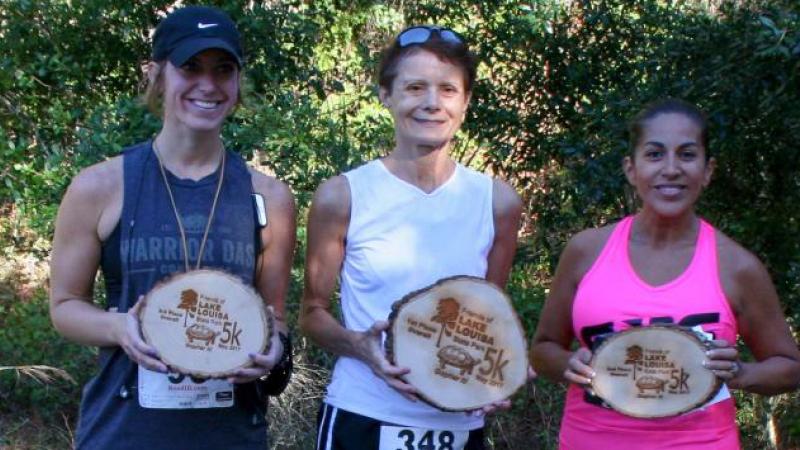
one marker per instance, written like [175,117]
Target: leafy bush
[27,338]
[557,83]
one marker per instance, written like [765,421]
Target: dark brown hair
[151,96]
[454,53]
[667,106]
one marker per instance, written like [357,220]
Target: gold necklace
[178,216]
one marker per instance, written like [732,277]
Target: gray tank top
[144,249]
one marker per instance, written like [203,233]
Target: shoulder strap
[135,161]
[241,170]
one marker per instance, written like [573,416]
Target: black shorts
[338,429]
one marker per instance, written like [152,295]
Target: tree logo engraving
[188,303]
[447,315]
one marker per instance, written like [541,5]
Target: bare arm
[88,213]
[327,229]
[74,262]
[273,266]
[550,350]
[507,211]
[761,324]
[506,214]
[327,226]
[278,241]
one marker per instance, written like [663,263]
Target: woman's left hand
[491,408]
[501,405]
[723,360]
[262,363]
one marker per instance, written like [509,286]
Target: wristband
[278,378]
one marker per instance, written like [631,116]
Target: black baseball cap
[192,29]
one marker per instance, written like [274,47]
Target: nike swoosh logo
[202,25]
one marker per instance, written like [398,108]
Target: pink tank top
[612,297]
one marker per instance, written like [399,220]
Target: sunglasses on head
[422,33]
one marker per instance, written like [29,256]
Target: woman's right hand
[369,350]
[129,337]
[578,370]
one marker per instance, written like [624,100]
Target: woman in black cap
[177,202]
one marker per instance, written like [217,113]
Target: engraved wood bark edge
[715,387]
[266,318]
[398,305]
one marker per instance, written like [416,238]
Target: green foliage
[28,338]
[557,83]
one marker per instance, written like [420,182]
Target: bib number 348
[407,438]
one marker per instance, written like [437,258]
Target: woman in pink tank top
[664,264]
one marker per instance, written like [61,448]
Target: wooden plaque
[463,342]
[654,371]
[205,322]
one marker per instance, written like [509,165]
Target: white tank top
[401,239]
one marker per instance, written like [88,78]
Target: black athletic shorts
[338,429]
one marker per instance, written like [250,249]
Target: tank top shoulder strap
[708,269]
[364,175]
[615,250]
[241,182]
[707,263]
[464,175]
[236,166]
[363,181]
[134,162]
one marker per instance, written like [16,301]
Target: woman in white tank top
[395,225]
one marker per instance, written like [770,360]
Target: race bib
[178,391]
[722,394]
[409,438]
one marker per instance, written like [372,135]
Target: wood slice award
[654,371]
[205,322]
[462,341]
